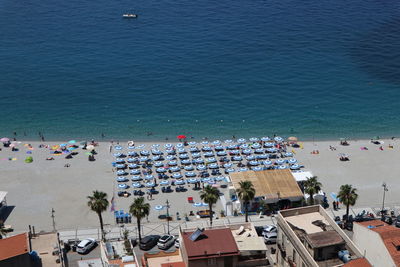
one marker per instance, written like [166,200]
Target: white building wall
[371,244]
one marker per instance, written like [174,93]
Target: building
[14,251]
[379,242]
[308,237]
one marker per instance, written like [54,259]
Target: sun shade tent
[273,185]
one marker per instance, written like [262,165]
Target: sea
[315,69]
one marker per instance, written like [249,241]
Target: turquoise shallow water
[316,69]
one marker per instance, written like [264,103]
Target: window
[212,261]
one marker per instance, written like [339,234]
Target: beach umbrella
[130,160]
[221,153]
[192,180]
[118,147]
[227,165]
[5,139]
[155,145]
[179,145]
[292,160]
[170,157]
[158,164]
[288,154]
[262,156]
[278,139]
[205,180]
[265,139]
[168,145]
[216,142]
[280,161]
[259,151]
[132,153]
[211,160]
[181,150]
[120,166]
[63,145]
[194,149]
[237,158]
[136,185]
[150,184]
[241,140]
[267,162]
[141,146]
[172,163]
[181,136]
[180,182]
[213,166]
[136,178]
[206,148]
[144,153]
[184,156]
[156,152]
[243,169]
[253,139]
[70,148]
[256,145]
[175,169]
[234,152]
[247,151]
[176,175]
[271,150]
[131,147]
[133,166]
[282,167]
[204,142]
[295,167]
[197,204]
[161,170]
[269,144]
[232,147]
[164,182]
[253,163]
[250,157]
[218,148]
[192,143]
[121,179]
[257,168]
[90,147]
[122,186]
[244,146]
[196,155]
[190,174]
[201,168]
[170,152]
[208,154]
[189,168]
[156,158]
[220,178]
[159,207]
[121,172]
[149,177]
[185,162]
[228,141]
[211,181]
[117,155]
[135,172]
[143,159]
[204,204]
[230,170]
[199,161]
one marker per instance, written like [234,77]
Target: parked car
[148,242]
[259,230]
[165,241]
[269,229]
[270,238]
[177,244]
[397,223]
[86,245]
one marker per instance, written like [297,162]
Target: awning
[302,176]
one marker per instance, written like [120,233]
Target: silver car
[165,242]
[86,245]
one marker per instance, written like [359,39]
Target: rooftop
[324,239]
[247,240]
[390,236]
[361,262]
[272,184]
[305,221]
[13,246]
[211,243]
[161,259]
[45,244]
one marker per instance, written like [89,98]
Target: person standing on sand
[110,148]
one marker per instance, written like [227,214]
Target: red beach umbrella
[181,136]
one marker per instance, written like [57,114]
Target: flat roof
[160,261]
[13,246]
[324,239]
[305,221]
[270,183]
[248,240]
[211,243]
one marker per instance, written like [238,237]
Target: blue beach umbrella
[120,166]
[183,156]
[122,186]
[168,145]
[136,185]
[164,182]
[243,169]
[213,166]
[121,179]
[267,162]
[204,142]
[256,145]
[220,178]
[292,160]
[150,184]
[227,165]
[253,139]
[161,170]
[206,148]
[117,155]
[197,205]
[282,167]
[155,145]
[253,163]
[232,147]
[192,143]
[204,204]
[230,170]
[288,154]
[244,146]
[265,139]
[119,160]
[144,153]
[149,177]
[180,182]
[156,158]
[158,164]
[172,163]
[159,207]
[175,169]
[136,178]
[131,147]
[269,144]
[140,146]
[170,151]
[199,161]
[131,160]
[237,158]
[280,161]
[211,160]
[234,152]
[208,154]
[247,151]
[228,141]
[192,180]
[196,155]
[241,140]
[278,139]
[156,152]
[201,168]
[205,180]
[135,172]
[262,156]
[194,149]
[271,150]
[118,147]
[132,153]
[259,151]
[185,162]
[251,157]
[170,157]
[121,172]
[257,168]
[221,153]
[180,145]
[143,159]
[216,142]
[295,167]
[134,166]
[189,168]
[218,148]
[190,174]
[177,175]
[181,150]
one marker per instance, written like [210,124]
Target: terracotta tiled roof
[390,236]
[212,243]
[362,262]
[13,246]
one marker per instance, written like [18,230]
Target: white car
[177,244]
[270,238]
[86,245]
[269,229]
[165,241]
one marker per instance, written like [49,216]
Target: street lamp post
[167,206]
[385,189]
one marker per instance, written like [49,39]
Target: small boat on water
[130,16]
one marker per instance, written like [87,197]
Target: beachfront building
[14,251]
[275,187]
[308,237]
[379,242]
[235,245]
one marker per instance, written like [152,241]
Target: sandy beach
[35,188]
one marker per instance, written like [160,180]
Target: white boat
[130,16]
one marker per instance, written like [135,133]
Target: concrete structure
[44,245]
[308,237]
[113,253]
[379,242]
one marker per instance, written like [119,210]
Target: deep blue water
[313,68]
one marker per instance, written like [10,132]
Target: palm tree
[140,210]
[348,196]
[246,193]
[98,203]
[312,186]
[3,232]
[210,196]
